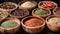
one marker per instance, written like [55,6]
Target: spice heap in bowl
[47,5]
[10,25]
[28,4]
[56,11]
[53,23]
[3,14]
[8,6]
[19,13]
[40,12]
[33,24]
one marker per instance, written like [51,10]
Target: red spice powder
[33,22]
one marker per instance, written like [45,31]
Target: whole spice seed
[41,12]
[19,12]
[9,24]
[33,22]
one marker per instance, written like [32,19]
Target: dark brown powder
[19,12]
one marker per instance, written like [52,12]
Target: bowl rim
[52,16]
[48,1]
[32,27]
[41,15]
[11,3]
[26,1]
[20,16]
[10,18]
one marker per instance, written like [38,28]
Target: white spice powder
[27,4]
[54,21]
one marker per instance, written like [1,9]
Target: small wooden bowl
[33,14]
[9,3]
[52,27]
[32,29]
[56,10]
[20,16]
[47,1]
[1,10]
[19,4]
[11,30]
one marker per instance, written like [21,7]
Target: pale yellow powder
[27,4]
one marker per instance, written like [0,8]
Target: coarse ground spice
[28,4]
[54,21]
[41,12]
[9,24]
[2,14]
[19,12]
[33,22]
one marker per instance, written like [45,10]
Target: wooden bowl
[33,14]
[32,29]
[11,30]
[19,4]
[56,10]
[52,27]
[6,14]
[20,16]
[8,3]
[47,1]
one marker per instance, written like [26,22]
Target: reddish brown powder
[34,22]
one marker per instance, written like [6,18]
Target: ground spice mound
[28,4]
[9,24]
[19,12]
[54,21]
[33,22]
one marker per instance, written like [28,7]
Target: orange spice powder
[33,22]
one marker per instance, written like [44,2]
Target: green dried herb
[2,15]
[9,24]
[41,12]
